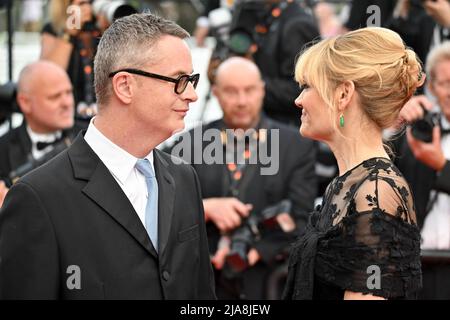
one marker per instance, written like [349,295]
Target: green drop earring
[341,120]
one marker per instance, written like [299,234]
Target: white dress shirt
[436,228]
[42,137]
[121,165]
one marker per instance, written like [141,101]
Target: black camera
[422,129]
[244,237]
[249,18]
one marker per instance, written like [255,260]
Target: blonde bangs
[312,69]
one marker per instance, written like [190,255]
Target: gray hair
[123,44]
[435,56]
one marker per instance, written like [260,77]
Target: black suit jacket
[295,180]
[15,148]
[72,212]
[421,178]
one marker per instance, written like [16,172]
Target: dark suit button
[166,275]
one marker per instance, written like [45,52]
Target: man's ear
[345,93]
[24,102]
[122,85]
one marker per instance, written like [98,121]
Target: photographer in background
[70,40]
[271,33]
[282,31]
[238,198]
[48,106]
[426,164]
[426,167]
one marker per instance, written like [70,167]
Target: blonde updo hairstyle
[385,73]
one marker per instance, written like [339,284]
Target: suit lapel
[103,189]
[20,149]
[166,196]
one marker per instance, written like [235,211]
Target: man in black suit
[47,105]
[426,165]
[235,192]
[112,217]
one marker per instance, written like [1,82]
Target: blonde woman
[363,242]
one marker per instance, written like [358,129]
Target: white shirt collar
[445,123]
[118,161]
[43,137]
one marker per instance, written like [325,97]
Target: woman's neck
[352,150]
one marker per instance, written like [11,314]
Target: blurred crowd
[56,97]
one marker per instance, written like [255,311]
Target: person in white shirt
[427,165]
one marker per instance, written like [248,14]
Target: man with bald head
[45,98]
[235,190]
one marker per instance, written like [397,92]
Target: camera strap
[87,52]
[240,173]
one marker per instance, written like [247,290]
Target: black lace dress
[364,238]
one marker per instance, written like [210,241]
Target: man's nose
[242,98]
[189,93]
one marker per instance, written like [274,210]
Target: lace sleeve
[391,195]
[379,248]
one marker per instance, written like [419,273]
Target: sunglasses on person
[180,83]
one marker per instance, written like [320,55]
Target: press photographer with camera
[423,156]
[270,32]
[47,105]
[251,217]
[70,40]
[424,152]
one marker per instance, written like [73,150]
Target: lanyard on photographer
[240,173]
[87,48]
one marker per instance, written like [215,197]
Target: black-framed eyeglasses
[180,83]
